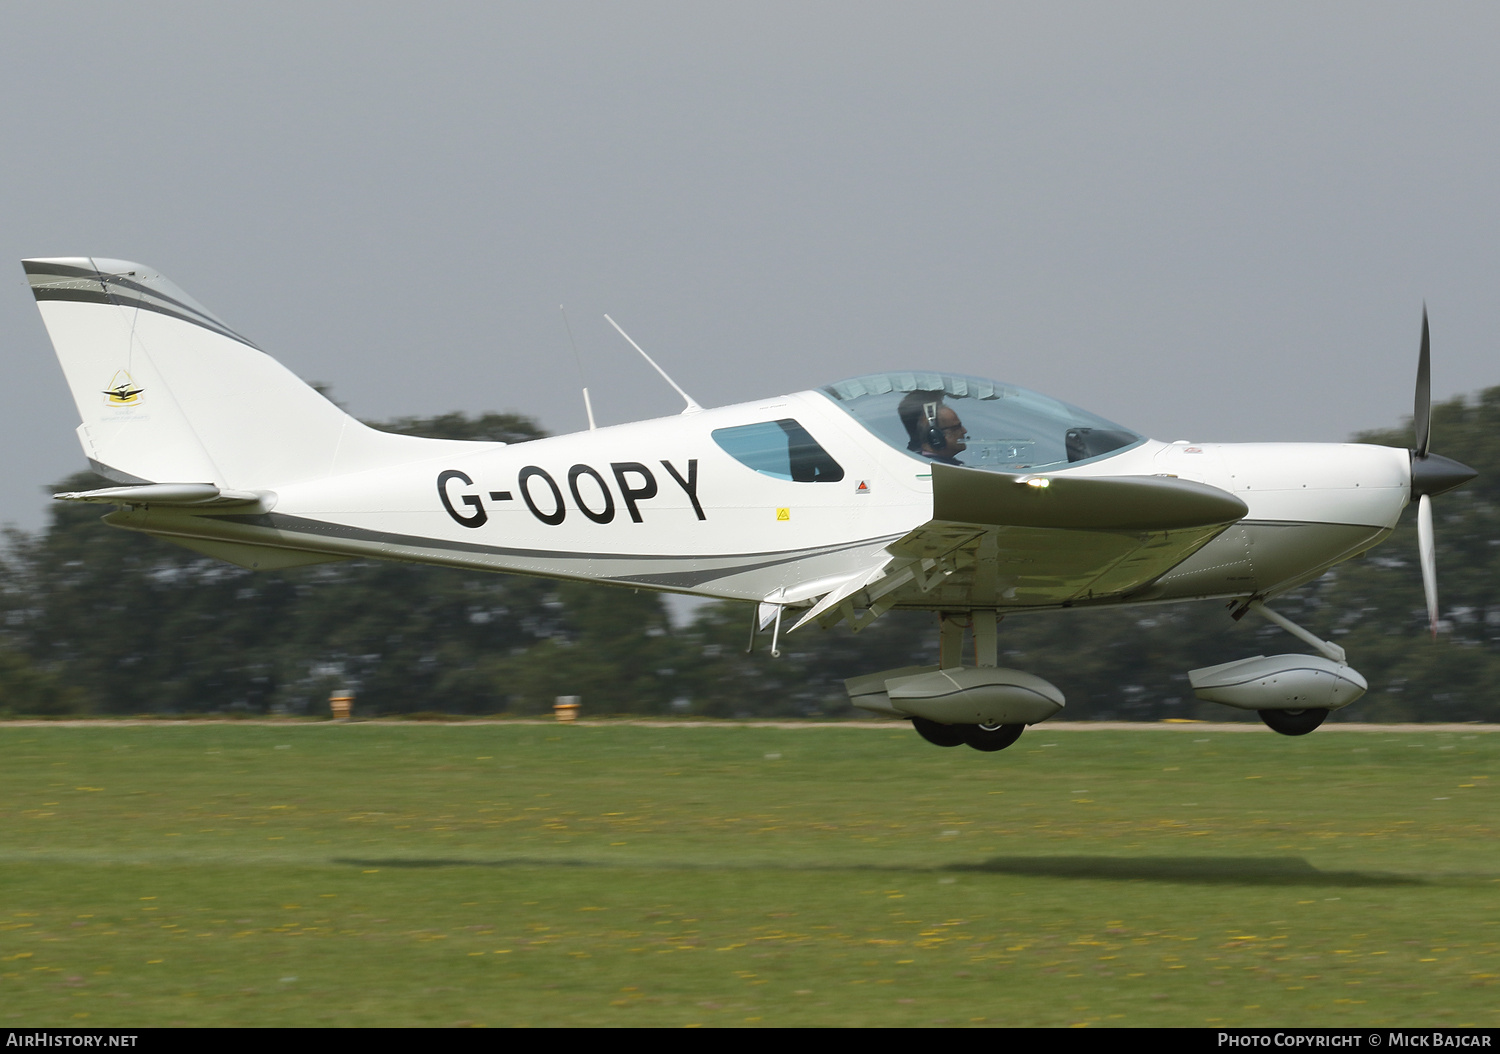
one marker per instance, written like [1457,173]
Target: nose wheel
[1293,722]
[987,738]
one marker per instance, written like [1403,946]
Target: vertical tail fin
[169,393]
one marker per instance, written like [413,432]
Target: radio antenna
[692,407]
[588,407]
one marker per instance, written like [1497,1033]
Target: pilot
[934,428]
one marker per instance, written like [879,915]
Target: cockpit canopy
[977,423]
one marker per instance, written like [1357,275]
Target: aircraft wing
[1019,540]
[998,540]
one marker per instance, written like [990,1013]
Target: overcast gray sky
[1205,221]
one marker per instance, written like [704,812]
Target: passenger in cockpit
[934,427]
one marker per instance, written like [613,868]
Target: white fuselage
[659,504]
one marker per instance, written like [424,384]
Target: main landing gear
[981,705]
[987,738]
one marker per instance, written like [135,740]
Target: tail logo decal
[122,390]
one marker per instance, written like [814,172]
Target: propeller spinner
[1431,474]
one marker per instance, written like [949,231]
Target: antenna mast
[588,407]
[692,407]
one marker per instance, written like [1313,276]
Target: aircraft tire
[992,737]
[1293,722]
[940,734]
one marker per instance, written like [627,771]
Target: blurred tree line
[104,621]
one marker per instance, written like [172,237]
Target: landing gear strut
[1293,722]
[953,695]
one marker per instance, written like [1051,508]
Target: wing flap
[1021,541]
[1039,566]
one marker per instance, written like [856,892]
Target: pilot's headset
[936,440]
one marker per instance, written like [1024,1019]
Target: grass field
[609,874]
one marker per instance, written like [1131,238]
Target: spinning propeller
[1430,474]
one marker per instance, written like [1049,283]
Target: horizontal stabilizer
[1148,503]
[194,494]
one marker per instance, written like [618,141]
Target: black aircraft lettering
[559,511]
[606,514]
[479,516]
[630,495]
[689,485]
[634,479]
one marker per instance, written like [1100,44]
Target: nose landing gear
[1293,694]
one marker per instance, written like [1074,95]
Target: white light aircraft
[914,490]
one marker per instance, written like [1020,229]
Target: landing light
[1035,481]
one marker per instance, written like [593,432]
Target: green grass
[366,874]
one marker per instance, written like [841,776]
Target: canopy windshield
[977,423]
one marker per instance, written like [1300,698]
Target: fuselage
[734,503]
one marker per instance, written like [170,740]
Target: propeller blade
[1421,415]
[1428,556]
